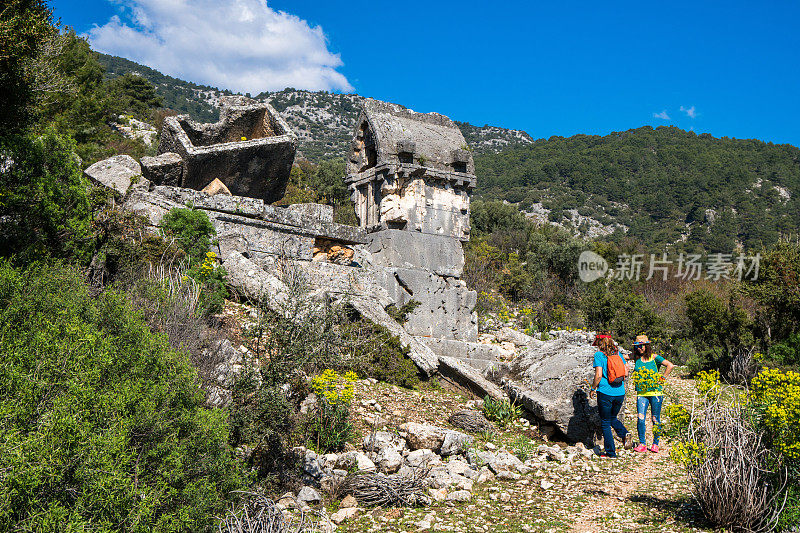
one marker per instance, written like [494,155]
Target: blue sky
[726,68]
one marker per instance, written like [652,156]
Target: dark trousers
[609,408]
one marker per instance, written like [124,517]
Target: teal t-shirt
[653,364]
[605,387]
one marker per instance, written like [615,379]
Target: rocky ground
[514,480]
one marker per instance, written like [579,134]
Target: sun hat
[641,339]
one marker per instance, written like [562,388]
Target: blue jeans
[655,409]
[609,408]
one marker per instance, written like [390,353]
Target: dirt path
[608,498]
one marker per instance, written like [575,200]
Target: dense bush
[742,450]
[193,231]
[263,418]
[44,198]
[101,423]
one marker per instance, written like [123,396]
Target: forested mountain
[181,96]
[663,186]
[324,121]
[666,185]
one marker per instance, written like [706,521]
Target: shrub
[740,449]
[502,411]
[329,425]
[102,425]
[263,418]
[776,394]
[378,354]
[786,353]
[191,229]
[44,198]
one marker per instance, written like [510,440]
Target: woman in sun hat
[649,389]
[610,396]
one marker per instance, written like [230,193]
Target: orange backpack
[616,370]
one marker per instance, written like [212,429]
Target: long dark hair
[648,352]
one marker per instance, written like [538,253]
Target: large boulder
[116,173]
[551,380]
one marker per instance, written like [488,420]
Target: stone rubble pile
[454,463]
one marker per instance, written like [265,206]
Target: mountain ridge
[323,121]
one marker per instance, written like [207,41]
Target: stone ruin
[251,150]
[410,176]
[410,171]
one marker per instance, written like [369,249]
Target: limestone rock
[423,436]
[309,496]
[506,334]
[164,169]
[389,460]
[382,439]
[459,496]
[422,457]
[549,380]
[115,173]
[455,443]
[438,495]
[344,514]
[216,187]
[357,460]
[348,501]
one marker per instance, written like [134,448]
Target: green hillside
[181,96]
[666,185]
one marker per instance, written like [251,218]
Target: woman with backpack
[609,384]
[649,389]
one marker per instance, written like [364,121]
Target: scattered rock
[309,496]
[459,496]
[115,173]
[344,514]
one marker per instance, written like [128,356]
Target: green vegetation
[504,411]
[177,95]
[752,438]
[102,423]
[44,197]
[86,105]
[193,231]
[329,426]
[656,181]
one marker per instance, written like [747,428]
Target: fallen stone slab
[116,173]
[469,377]
[551,380]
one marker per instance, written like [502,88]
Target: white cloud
[243,45]
[663,115]
[690,111]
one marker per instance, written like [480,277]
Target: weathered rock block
[164,169]
[550,379]
[116,173]
[404,249]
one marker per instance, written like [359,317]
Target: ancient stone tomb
[250,150]
[409,170]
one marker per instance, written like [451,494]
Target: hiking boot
[606,456]
[628,441]
[654,448]
[640,448]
